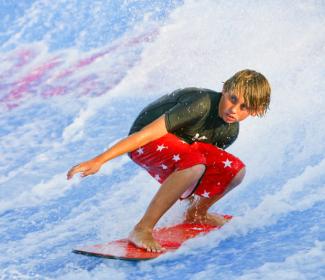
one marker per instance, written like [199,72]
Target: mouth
[229,118]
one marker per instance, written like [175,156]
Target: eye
[233,99]
[243,107]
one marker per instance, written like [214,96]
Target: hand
[86,168]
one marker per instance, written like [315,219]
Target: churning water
[73,76]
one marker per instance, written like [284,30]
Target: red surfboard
[171,238]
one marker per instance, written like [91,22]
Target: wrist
[98,160]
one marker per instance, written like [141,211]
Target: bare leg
[169,192]
[198,210]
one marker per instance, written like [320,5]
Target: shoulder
[195,90]
[199,95]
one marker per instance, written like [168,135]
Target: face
[232,108]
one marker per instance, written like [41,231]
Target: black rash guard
[192,115]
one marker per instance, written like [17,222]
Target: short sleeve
[188,110]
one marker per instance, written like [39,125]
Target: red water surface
[35,72]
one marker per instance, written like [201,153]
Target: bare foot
[207,218]
[143,238]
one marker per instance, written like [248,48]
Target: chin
[227,120]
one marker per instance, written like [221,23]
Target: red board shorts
[169,153]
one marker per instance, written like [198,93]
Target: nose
[234,109]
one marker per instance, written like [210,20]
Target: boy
[180,140]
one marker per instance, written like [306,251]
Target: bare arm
[149,133]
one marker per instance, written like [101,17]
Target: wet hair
[255,88]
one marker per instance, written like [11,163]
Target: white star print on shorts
[140,151]
[176,158]
[161,147]
[227,163]
[168,154]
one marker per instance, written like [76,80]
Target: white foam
[305,264]
[202,44]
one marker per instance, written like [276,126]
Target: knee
[236,180]
[196,171]
[239,177]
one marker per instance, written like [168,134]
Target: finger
[74,170]
[71,172]
[86,173]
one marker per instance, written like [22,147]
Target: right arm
[149,133]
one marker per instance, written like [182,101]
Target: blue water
[74,75]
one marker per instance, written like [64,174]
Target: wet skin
[232,108]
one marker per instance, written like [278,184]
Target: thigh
[221,168]
[165,155]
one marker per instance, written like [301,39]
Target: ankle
[195,211]
[143,228]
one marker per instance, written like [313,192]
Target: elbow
[141,139]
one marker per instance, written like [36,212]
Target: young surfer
[180,139]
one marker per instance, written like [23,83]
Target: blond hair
[255,88]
